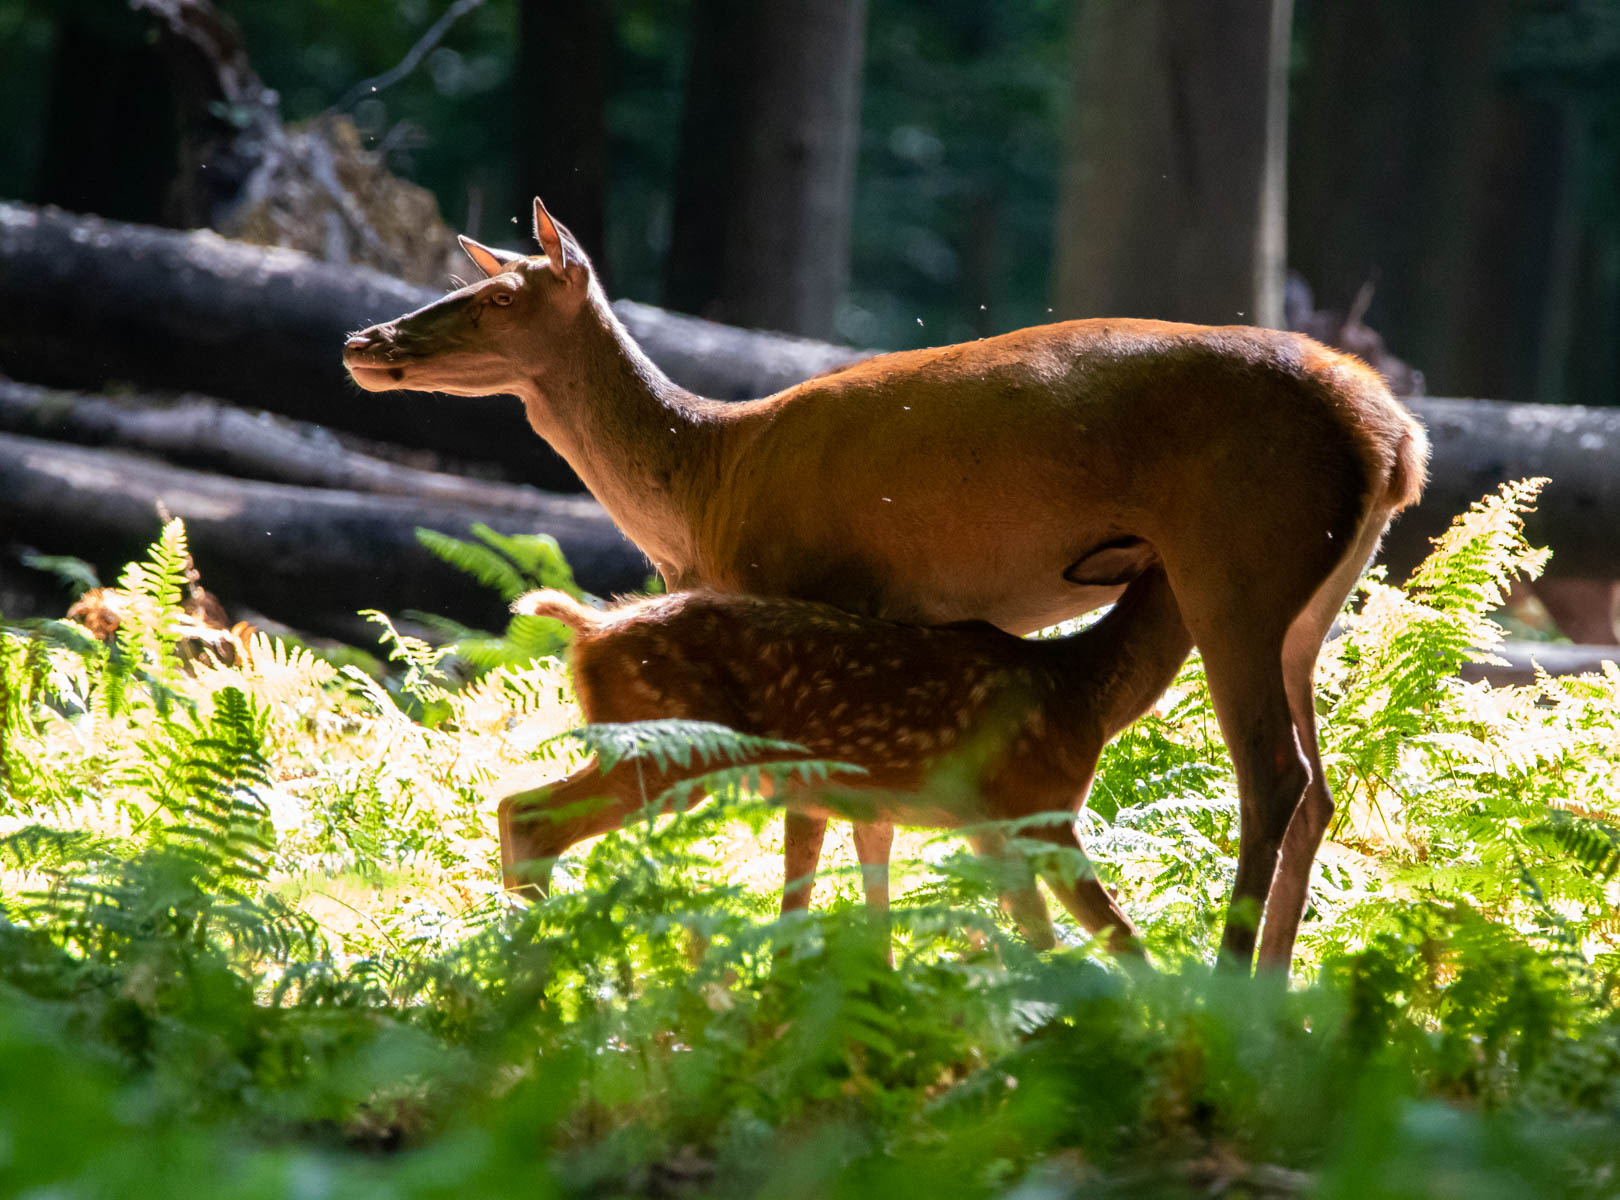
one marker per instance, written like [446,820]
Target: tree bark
[307,556]
[87,302]
[1478,444]
[1170,202]
[1393,136]
[564,48]
[766,172]
[199,432]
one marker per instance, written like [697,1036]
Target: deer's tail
[560,606]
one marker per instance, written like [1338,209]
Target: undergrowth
[252,940]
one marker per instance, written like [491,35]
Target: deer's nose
[364,339]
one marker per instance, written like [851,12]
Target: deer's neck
[647,449]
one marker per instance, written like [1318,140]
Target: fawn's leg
[1022,902]
[1086,899]
[540,823]
[874,840]
[802,836]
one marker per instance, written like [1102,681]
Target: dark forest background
[894,173]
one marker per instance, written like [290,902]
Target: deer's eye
[502,298]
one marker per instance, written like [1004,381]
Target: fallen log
[200,432]
[1556,658]
[307,556]
[1479,444]
[88,301]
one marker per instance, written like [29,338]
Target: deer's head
[486,337]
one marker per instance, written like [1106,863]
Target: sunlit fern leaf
[1481,553]
[751,778]
[150,617]
[45,849]
[424,678]
[280,670]
[516,690]
[208,776]
[673,743]
[1592,843]
[163,575]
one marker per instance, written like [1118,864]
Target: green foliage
[252,943]
[511,565]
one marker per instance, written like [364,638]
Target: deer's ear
[488,259]
[547,233]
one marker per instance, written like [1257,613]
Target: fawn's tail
[548,602]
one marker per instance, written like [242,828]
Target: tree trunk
[564,48]
[308,556]
[1170,200]
[766,174]
[105,77]
[1392,136]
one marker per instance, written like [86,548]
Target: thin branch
[413,57]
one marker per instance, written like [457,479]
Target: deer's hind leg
[1087,900]
[1290,889]
[802,837]
[1021,900]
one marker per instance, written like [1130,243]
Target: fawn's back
[1018,724]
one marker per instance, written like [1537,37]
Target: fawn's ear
[487,259]
[549,235]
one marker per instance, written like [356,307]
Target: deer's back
[936,485]
[899,701]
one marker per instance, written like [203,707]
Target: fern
[672,743]
[149,629]
[75,574]
[510,565]
[1593,844]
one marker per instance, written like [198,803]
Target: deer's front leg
[802,835]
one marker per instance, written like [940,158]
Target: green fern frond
[511,565]
[484,564]
[1593,844]
[752,779]
[1482,551]
[75,574]
[424,680]
[673,742]
[46,849]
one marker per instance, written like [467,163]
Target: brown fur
[951,726]
[965,482]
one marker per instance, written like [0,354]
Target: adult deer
[952,726]
[1019,480]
